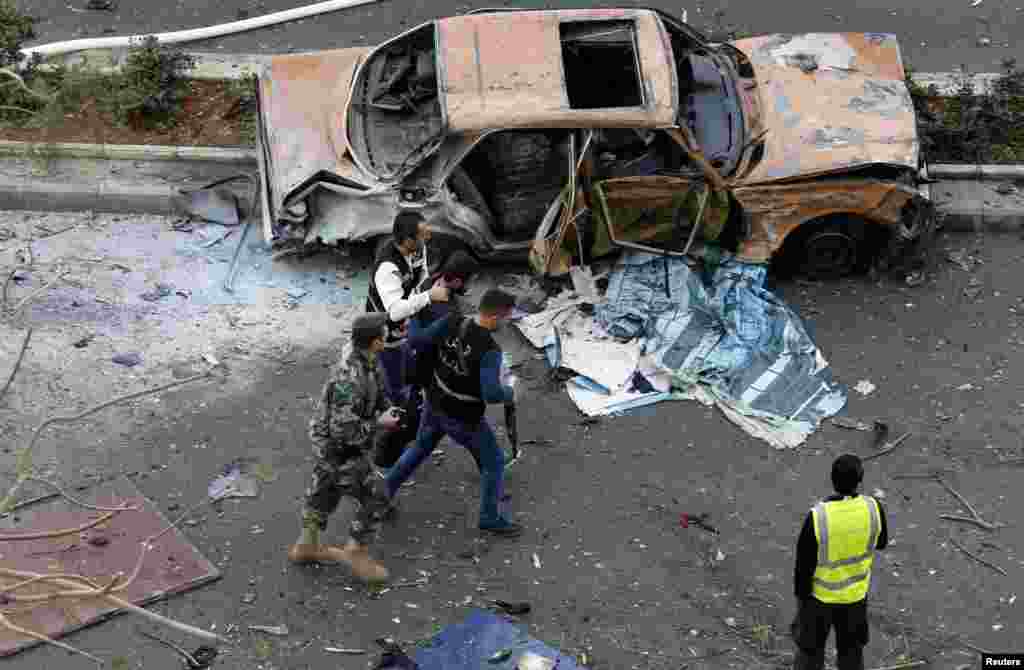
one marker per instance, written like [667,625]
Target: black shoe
[503,528]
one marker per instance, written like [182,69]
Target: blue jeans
[478,439]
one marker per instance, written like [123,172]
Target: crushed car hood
[303,102]
[831,102]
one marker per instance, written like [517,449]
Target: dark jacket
[480,379]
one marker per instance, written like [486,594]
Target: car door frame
[708,175]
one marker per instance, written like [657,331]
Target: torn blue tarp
[725,333]
[476,642]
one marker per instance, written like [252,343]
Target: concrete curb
[137,152]
[978,172]
[104,196]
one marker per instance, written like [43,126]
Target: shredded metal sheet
[730,334]
[723,340]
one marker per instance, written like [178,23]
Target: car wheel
[830,251]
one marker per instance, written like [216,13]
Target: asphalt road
[936,35]
[618,578]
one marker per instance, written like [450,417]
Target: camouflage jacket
[351,400]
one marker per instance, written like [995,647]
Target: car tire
[831,250]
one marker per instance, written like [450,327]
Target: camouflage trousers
[336,477]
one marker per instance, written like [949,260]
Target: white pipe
[195,34]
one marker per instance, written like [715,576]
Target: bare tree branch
[124,604]
[17,363]
[23,86]
[25,458]
[57,533]
[890,447]
[10,625]
[978,558]
[15,108]
[61,492]
[39,290]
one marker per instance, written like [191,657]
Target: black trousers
[811,627]
[389,446]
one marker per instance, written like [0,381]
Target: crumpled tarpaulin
[471,644]
[722,340]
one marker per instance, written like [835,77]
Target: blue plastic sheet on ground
[727,333]
[469,645]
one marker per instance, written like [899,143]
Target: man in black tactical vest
[394,290]
[466,377]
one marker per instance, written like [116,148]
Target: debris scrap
[513,608]
[864,387]
[239,479]
[636,350]
[499,656]
[129,360]
[851,424]
[886,448]
[158,292]
[281,630]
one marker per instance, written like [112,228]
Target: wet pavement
[618,578]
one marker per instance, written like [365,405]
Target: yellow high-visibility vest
[847,532]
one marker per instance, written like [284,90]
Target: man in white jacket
[393,291]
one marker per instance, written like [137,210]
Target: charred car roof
[508,70]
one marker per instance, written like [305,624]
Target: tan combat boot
[317,553]
[363,566]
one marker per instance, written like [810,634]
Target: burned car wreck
[562,135]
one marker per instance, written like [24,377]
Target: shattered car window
[709,101]
[395,115]
[602,69]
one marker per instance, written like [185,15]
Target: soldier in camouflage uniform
[351,409]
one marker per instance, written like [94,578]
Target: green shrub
[975,127]
[15,30]
[20,94]
[151,85]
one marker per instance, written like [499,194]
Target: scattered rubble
[158,292]
[864,387]
[128,360]
[851,424]
[279,631]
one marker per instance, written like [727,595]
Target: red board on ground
[173,566]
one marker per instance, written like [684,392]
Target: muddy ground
[619,579]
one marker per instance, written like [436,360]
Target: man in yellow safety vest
[833,570]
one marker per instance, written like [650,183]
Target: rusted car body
[563,134]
